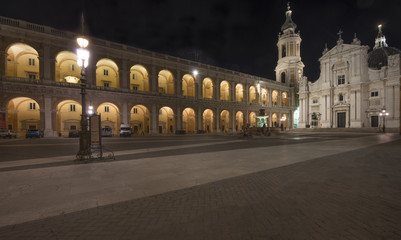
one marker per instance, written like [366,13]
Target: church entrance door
[374,121]
[341,120]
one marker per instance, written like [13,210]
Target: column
[233,91]
[217,91]
[198,84]
[199,116]
[124,118]
[48,129]
[217,120]
[270,98]
[3,57]
[154,117]
[280,99]
[246,92]
[246,117]
[46,63]
[233,120]
[178,83]
[178,125]
[153,80]
[124,76]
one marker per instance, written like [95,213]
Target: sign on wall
[95,130]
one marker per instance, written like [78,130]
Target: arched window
[282,77]
[283,51]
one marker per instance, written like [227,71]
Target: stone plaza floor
[312,186]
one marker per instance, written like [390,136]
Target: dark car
[73,134]
[34,133]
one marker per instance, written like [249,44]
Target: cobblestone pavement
[350,195]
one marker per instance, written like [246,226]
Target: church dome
[378,57]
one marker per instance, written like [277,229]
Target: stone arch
[208,121]
[67,69]
[166,120]
[189,120]
[239,92]
[252,95]
[107,73]
[140,120]
[68,117]
[275,120]
[188,85]
[239,121]
[225,121]
[139,78]
[23,114]
[252,119]
[225,91]
[165,82]
[284,99]
[207,88]
[110,115]
[284,120]
[22,61]
[275,98]
[264,97]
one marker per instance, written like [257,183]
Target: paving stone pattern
[354,195]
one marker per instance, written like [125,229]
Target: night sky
[238,35]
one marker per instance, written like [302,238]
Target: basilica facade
[153,93]
[356,88]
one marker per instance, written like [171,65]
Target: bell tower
[289,67]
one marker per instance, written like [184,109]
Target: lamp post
[384,114]
[82,61]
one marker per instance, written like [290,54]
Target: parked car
[125,130]
[107,132]
[34,133]
[4,133]
[73,134]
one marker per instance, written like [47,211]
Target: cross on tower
[339,34]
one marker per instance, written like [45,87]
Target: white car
[4,133]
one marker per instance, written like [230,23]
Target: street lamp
[83,61]
[384,114]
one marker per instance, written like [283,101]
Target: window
[72,107]
[134,87]
[72,67]
[106,84]
[135,110]
[283,51]
[106,109]
[315,101]
[32,76]
[341,97]
[73,127]
[133,76]
[283,77]
[341,79]
[31,62]
[374,94]
[105,72]
[32,106]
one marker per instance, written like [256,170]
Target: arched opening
[189,120]
[239,121]
[264,98]
[23,114]
[67,69]
[282,77]
[224,91]
[284,121]
[207,88]
[283,51]
[166,121]
[107,73]
[225,121]
[208,121]
[166,82]
[139,78]
[22,61]
[110,117]
[68,117]
[284,99]
[140,120]
[275,121]
[252,119]
[188,85]
[239,93]
[275,98]
[252,95]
